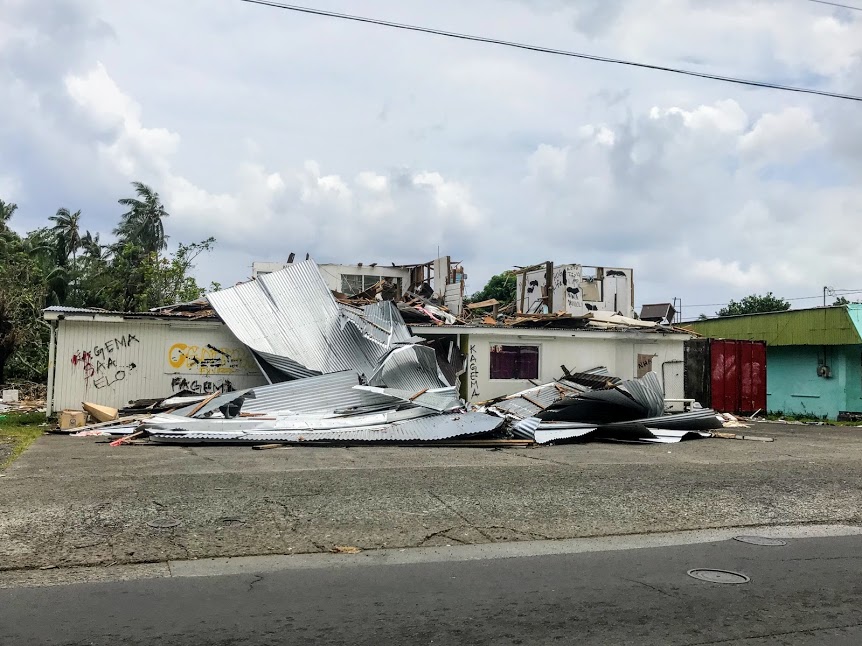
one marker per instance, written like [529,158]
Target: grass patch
[17,432]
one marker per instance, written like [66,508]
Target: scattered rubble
[348,370]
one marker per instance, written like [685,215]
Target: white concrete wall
[617,351]
[114,362]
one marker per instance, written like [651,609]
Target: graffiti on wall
[101,365]
[206,359]
[200,386]
[474,373]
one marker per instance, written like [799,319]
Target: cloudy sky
[276,132]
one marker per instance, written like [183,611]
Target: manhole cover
[760,540]
[718,576]
[163,523]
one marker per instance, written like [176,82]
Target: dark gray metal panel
[696,371]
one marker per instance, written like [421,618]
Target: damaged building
[296,320]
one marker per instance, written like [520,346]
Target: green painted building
[813,356]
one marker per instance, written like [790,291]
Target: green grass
[19,430]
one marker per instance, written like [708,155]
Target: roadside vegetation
[17,432]
[62,263]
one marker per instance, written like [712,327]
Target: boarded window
[514,362]
[644,364]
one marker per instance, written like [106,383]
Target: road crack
[469,522]
[257,579]
[651,587]
[736,640]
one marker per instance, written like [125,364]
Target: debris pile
[351,371]
[596,406]
[22,397]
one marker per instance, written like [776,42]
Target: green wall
[793,386]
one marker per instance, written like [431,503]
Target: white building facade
[112,358]
[500,361]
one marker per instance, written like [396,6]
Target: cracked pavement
[78,502]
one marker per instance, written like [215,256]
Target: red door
[738,375]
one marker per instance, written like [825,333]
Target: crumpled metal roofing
[292,320]
[412,367]
[517,405]
[439,399]
[700,419]
[306,422]
[647,391]
[382,321]
[424,429]
[323,393]
[215,403]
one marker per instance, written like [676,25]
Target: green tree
[45,268]
[68,232]
[143,224]
[23,347]
[501,287]
[167,280]
[755,304]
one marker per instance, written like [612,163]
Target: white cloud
[9,187]
[782,137]
[725,116]
[355,143]
[133,148]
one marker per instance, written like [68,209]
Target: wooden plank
[489,303]
[415,395]
[116,422]
[127,438]
[533,402]
[204,402]
[734,436]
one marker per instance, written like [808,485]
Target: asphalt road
[807,592]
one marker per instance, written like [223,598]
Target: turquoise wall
[793,386]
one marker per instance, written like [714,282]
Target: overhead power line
[548,50]
[838,292]
[836,4]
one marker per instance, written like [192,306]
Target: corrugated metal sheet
[323,393]
[696,420]
[290,318]
[157,313]
[517,405]
[440,399]
[212,405]
[115,362]
[284,422]
[382,321]
[433,427]
[821,326]
[412,367]
[544,435]
[526,427]
[647,391]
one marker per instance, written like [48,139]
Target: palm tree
[93,248]
[67,228]
[7,209]
[143,223]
